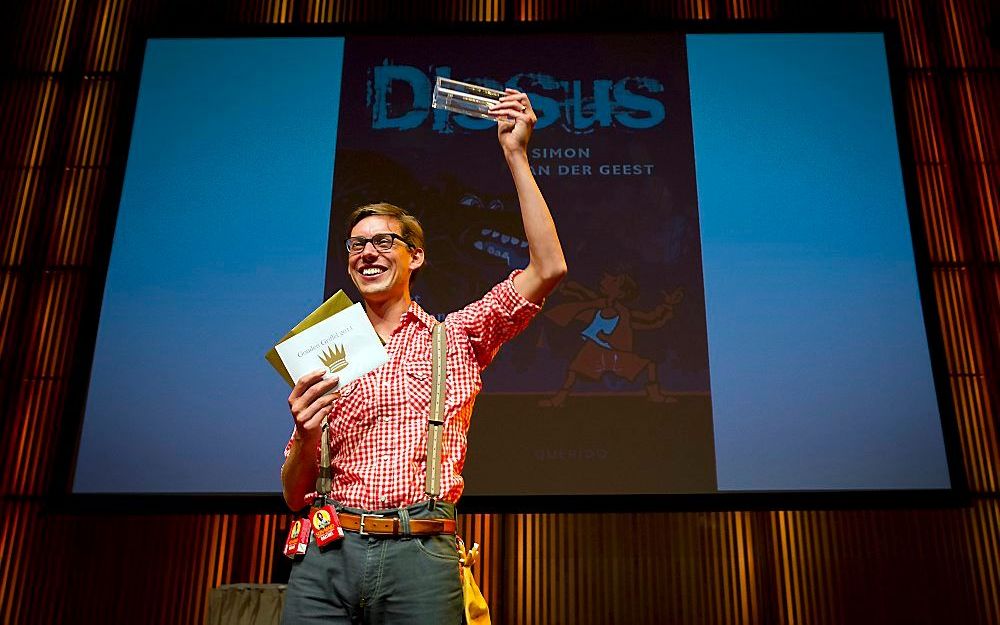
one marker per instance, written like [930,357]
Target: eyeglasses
[383,242]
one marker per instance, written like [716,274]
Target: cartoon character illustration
[608,334]
[321,520]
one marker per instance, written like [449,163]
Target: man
[378,424]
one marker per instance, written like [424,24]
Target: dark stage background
[70,72]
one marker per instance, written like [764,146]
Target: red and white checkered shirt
[378,427]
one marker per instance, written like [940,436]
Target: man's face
[382,275]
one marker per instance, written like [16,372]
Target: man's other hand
[310,401]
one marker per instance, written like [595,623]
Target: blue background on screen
[219,249]
[819,366]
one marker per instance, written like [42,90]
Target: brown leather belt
[390,526]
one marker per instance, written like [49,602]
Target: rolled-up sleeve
[497,317]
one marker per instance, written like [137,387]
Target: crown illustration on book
[334,358]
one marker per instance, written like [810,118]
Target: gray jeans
[378,580]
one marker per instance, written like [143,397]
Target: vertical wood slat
[935,175]
[912,23]
[43,41]
[11,289]
[24,212]
[985,178]
[34,105]
[92,123]
[865,580]
[976,100]
[51,340]
[739,10]
[992,297]
[12,541]
[541,10]
[985,530]
[87,157]
[484,530]
[940,215]
[183,551]
[71,237]
[109,44]
[962,25]
[977,430]
[923,110]
[974,97]
[585,568]
[956,301]
[39,397]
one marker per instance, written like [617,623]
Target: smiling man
[398,561]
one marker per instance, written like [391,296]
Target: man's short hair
[410,228]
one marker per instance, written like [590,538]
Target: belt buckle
[361,530]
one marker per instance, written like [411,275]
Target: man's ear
[416,258]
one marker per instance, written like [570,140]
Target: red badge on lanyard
[298,537]
[326,525]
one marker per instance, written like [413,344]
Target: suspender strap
[324,483]
[435,420]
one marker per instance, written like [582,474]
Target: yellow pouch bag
[476,610]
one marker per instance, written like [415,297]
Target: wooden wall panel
[11,289]
[870,566]
[935,173]
[976,97]
[92,123]
[43,41]
[28,438]
[73,228]
[569,10]
[165,566]
[936,186]
[31,110]
[983,528]
[909,16]
[331,11]
[977,428]
[956,301]
[61,103]
[991,296]
[485,530]
[742,10]
[87,154]
[964,25]
[347,11]
[108,47]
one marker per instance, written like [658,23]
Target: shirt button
[383,499]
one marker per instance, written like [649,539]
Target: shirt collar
[420,315]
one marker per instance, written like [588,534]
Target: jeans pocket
[441,547]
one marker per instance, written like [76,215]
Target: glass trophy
[464,98]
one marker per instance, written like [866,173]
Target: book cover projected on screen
[614,371]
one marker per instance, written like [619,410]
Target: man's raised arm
[546,265]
